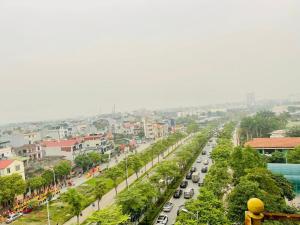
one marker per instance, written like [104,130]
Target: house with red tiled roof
[269,145]
[12,166]
[66,148]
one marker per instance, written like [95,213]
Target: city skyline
[143,54]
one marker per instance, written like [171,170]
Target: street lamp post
[48,212]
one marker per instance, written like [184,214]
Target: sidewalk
[109,198]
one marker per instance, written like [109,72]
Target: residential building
[5,150]
[66,148]
[31,151]
[155,130]
[11,166]
[269,145]
[278,134]
[20,139]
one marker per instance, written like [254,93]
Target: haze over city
[69,58]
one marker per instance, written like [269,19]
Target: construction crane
[256,213]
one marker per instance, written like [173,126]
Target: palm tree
[74,199]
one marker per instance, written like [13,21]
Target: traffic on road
[189,187]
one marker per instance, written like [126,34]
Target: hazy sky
[61,58]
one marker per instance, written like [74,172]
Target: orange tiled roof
[286,142]
[5,163]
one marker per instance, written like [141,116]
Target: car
[189,176]
[189,193]
[195,177]
[27,210]
[162,219]
[184,184]
[204,169]
[204,153]
[199,160]
[193,169]
[168,207]
[206,162]
[177,193]
[13,217]
[180,208]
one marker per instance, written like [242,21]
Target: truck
[195,177]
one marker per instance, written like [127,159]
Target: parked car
[189,193]
[180,208]
[162,219]
[189,176]
[193,169]
[168,207]
[27,210]
[177,193]
[184,184]
[204,153]
[204,169]
[206,162]
[13,217]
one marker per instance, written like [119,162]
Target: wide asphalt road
[178,202]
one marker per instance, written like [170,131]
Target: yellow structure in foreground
[256,213]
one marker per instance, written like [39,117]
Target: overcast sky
[63,58]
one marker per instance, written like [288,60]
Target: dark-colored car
[193,169]
[204,169]
[177,193]
[184,184]
[204,153]
[189,176]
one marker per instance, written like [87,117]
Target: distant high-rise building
[250,100]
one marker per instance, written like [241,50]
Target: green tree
[293,156]
[115,173]
[135,163]
[83,161]
[95,157]
[208,207]
[109,216]
[11,186]
[74,199]
[218,172]
[277,157]
[35,183]
[245,158]
[285,185]
[192,128]
[167,171]
[62,169]
[238,198]
[48,177]
[100,190]
[294,131]
[139,196]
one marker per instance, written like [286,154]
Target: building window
[8,170]
[18,167]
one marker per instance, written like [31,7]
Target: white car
[199,160]
[168,207]
[162,219]
[206,162]
[13,217]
